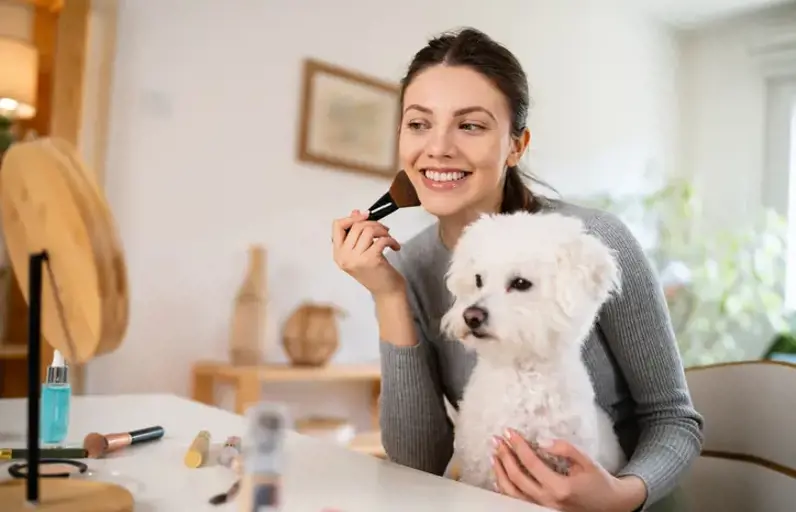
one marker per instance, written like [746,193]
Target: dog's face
[527,286]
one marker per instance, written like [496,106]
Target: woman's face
[455,141]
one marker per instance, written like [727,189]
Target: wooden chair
[748,463]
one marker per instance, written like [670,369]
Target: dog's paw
[555,462]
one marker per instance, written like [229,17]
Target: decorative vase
[248,317]
[310,335]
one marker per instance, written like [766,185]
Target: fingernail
[496,442]
[493,459]
[507,434]
[545,443]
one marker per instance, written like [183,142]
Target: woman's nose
[440,143]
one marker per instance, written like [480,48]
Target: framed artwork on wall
[348,120]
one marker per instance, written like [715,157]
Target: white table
[318,474]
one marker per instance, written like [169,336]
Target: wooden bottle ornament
[248,316]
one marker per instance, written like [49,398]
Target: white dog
[527,289]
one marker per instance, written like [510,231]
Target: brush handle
[379,213]
[146,434]
[382,211]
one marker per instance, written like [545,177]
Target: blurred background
[227,135]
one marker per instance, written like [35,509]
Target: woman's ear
[518,147]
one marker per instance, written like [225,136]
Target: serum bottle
[56,396]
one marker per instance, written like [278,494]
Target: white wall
[203,130]
[727,89]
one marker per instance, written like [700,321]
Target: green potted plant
[732,300]
[782,347]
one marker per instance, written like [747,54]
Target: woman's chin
[443,207]
[450,205]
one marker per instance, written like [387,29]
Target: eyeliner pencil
[49,453]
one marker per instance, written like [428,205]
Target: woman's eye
[471,127]
[520,284]
[415,125]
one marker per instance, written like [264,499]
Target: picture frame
[348,120]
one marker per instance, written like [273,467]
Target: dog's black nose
[475,317]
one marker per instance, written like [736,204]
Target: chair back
[748,462]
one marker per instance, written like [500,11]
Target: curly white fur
[538,282]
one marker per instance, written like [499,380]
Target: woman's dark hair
[474,49]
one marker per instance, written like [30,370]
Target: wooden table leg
[247,392]
[202,384]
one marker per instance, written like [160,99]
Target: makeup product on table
[224,497]
[99,445]
[230,452]
[198,451]
[56,396]
[402,194]
[263,453]
[46,453]
[229,456]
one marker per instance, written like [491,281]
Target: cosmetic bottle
[56,396]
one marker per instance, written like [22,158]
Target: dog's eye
[478,281]
[520,284]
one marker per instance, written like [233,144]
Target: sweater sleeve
[638,329]
[415,428]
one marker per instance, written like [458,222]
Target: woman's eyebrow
[459,112]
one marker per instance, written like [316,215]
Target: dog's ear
[591,264]
[460,276]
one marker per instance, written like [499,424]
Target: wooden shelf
[247,380]
[13,352]
[369,443]
[289,373]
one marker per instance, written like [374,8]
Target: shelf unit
[247,382]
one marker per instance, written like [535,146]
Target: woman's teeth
[445,176]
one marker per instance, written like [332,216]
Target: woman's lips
[444,179]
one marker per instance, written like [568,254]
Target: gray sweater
[631,355]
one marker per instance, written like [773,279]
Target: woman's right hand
[360,253]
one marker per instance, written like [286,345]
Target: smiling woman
[463,132]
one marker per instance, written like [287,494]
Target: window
[790,290]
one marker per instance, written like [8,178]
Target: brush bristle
[402,191]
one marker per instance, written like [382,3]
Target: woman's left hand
[520,473]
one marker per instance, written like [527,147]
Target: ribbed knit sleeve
[637,326]
[415,428]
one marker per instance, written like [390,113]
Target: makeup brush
[98,445]
[402,194]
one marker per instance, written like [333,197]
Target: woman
[464,106]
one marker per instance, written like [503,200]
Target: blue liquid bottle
[56,397]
